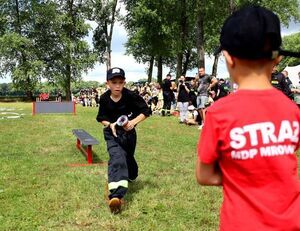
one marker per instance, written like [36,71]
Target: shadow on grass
[138,185]
[95,157]
[95,160]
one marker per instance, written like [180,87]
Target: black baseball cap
[115,71]
[253,32]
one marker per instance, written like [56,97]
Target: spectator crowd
[189,97]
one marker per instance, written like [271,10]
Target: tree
[4,89]
[18,50]
[80,85]
[213,26]
[286,10]
[291,43]
[104,14]
[183,27]
[65,52]
[148,31]
[200,33]
[44,39]
[183,20]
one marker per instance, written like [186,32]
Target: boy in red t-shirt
[249,140]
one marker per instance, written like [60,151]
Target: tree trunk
[18,25]
[179,65]
[215,66]
[68,83]
[108,58]
[27,82]
[29,93]
[200,36]
[150,69]
[183,37]
[186,62]
[159,69]
[110,33]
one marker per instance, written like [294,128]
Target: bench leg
[89,154]
[78,144]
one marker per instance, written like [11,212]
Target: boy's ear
[277,60]
[229,59]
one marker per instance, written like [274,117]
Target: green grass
[39,190]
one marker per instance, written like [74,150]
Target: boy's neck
[253,82]
[253,75]
[115,98]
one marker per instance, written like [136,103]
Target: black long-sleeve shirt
[183,94]
[130,104]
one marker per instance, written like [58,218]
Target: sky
[135,71]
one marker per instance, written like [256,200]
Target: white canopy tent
[293,74]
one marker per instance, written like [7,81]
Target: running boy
[249,140]
[120,140]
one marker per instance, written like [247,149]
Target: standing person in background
[287,79]
[205,84]
[251,151]
[289,83]
[85,99]
[296,91]
[93,99]
[278,81]
[160,100]
[154,93]
[193,93]
[174,96]
[223,89]
[120,140]
[59,96]
[96,96]
[168,95]
[183,99]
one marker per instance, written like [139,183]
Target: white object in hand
[122,120]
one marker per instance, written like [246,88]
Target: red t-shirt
[253,135]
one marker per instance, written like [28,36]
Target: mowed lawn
[43,186]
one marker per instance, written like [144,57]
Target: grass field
[40,190]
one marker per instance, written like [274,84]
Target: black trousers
[122,165]
[167,103]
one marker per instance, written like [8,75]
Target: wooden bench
[86,139]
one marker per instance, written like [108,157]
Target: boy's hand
[113,129]
[129,126]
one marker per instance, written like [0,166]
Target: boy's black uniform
[122,165]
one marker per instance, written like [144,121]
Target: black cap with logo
[114,72]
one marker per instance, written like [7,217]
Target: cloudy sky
[135,71]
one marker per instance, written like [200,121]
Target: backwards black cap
[253,33]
